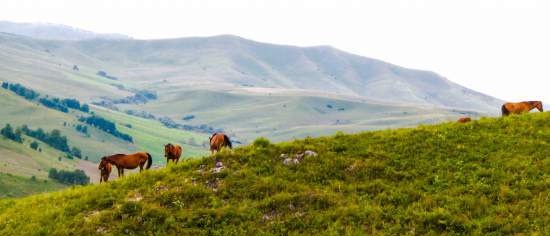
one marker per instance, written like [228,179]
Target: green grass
[148,135]
[16,186]
[284,117]
[488,177]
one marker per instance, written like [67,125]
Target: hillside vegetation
[486,177]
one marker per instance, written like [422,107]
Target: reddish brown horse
[130,161]
[218,141]
[520,107]
[105,170]
[464,120]
[172,152]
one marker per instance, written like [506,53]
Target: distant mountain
[246,88]
[234,61]
[53,31]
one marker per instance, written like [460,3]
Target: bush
[261,142]
[34,145]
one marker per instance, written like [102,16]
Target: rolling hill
[486,177]
[22,162]
[225,70]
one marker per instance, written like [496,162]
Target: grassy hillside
[15,186]
[284,116]
[486,177]
[149,135]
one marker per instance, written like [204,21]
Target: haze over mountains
[244,87]
[53,31]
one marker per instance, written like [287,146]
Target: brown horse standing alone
[464,120]
[105,170]
[218,141]
[520,107]
[130,161]
[172,152]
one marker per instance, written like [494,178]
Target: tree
[8,132]
[34,145]
[76,152]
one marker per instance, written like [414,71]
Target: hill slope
[486,177]
[292,82]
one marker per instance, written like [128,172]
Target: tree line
[107,126]
[53,139]
[76,177]
[62,105]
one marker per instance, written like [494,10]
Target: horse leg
[177,159]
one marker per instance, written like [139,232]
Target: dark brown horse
[520,107]
[218,141]
[464,120]
[172,152]
[105,170]
[130,161]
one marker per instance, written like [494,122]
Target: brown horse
[172,152]
[520,107]
[218,141]
[464,120]
[130,161]
[105,170]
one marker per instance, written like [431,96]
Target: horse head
[538,105]
[103,163]
[167,149]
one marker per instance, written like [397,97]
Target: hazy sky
[499,47]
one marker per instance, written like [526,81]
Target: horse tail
[505,111]
[149,160]
[228,141]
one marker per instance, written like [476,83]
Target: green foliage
[34,145]
[261,142]
[8,133]
[53,138]
[20,90]
[487,177]
[77,177]
[107,126]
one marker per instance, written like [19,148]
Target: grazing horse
[130,161]
[105,170]
[520,107]
[464,120]
[218,141]
[172,152]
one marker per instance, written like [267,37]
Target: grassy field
[148,135]
[487,177]
[16,186]
[285,117]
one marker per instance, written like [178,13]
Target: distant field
[15,186]
[283,117]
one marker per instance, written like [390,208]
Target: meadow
[487,177]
